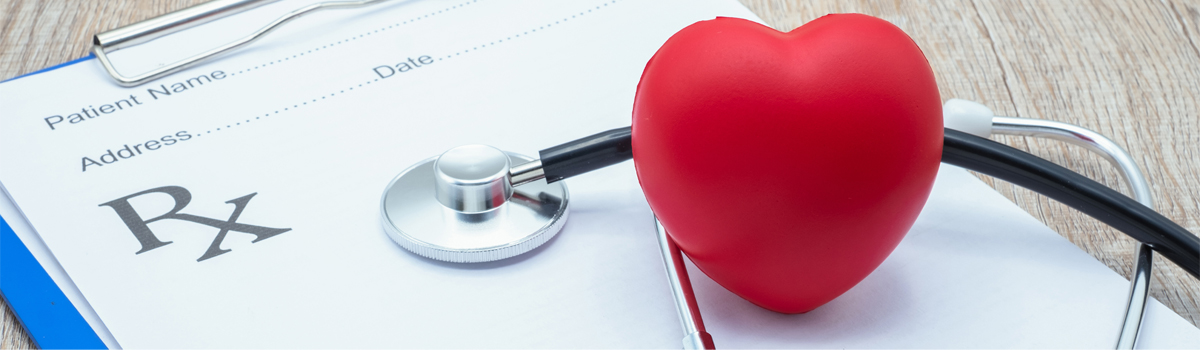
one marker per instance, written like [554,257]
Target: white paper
[303,120]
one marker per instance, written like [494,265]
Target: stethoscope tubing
[1143,262]
[1077,191]
[967,151]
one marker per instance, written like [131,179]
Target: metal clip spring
[157,27]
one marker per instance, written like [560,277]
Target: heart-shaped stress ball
[788,165]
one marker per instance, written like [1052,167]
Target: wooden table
[1129,69]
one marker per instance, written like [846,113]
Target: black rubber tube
[1098,201]
[964,150]
[587,154]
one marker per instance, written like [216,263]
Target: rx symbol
[140,229]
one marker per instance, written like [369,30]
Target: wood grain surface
[1127,69]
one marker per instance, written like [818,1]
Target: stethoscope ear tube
[587,154]
[1098,201]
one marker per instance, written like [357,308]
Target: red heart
[788,165]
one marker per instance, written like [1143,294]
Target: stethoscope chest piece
[462,207]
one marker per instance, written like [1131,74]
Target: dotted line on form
[314,100]
[356,37]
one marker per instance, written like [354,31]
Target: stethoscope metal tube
[1139,290]
[694,335]
[979,120]
[527,172]
[1139,286]
[1078,135]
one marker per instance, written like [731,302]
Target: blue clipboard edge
[50,318]
[50,68]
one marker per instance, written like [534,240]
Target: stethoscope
[476,203]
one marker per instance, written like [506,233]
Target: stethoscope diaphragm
[462,207]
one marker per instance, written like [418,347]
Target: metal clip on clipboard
[160,26]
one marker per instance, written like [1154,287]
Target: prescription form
[267,165]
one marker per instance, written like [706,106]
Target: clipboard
[60,290]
